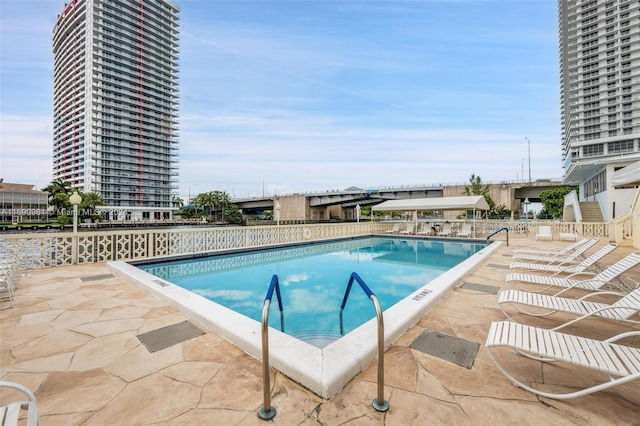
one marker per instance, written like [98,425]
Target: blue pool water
[313,280]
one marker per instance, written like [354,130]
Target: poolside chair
[570,266]
[624,309]
[9,413]
[558,258]
[570,236]
[550,252]
[465,231]
[620,362]
[426,229]
[409,229]
[544,233]
[395,229]
[596,282]
[446,230]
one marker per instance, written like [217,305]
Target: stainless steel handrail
[267,412]
[379,403]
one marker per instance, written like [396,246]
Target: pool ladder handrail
[267,411]
[498,231]
[379,403]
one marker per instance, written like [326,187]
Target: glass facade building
[116,94]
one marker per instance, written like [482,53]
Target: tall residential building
[600,97]
[115,122]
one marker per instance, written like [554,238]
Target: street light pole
[529,152]
[75,199]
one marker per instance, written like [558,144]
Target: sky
[280,97]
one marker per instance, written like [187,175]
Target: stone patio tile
[101,303]
[77,392]
[104,328]
[103,351]
[196,373]
[40,365]
[498,411]
[20,335]
[124,311]
[154,311]
[216,416]
[244,376]
[400,369]
[43,317]
[138,362]
[403,404]
[292,401]
[353,405]
[150,324]
[149,400]
[210,347]
[57,342]
[71,318]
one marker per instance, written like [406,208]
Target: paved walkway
[71,338]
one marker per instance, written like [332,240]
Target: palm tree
[177,201]
[59,186]
[91,200]
[221,201]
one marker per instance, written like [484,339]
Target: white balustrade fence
[63,249]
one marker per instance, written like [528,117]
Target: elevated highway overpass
[341,204]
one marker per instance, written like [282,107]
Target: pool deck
[71,337]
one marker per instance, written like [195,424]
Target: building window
[620,147]
[596,184]
[593,150]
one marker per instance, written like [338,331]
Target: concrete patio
[71,337]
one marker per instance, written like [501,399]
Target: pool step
[317,338]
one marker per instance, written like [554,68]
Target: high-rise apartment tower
[115,122]
[600,97]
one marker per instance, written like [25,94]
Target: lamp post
[526,215]
[75,199]
[529,153]
[277,208]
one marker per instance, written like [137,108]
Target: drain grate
[481,287]
[165,337]
[96,277]
[449,348]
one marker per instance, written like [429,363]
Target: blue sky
[296,96]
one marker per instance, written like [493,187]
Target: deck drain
[96,277]
[168,336]
[496,265]
[449,348]
[481,287]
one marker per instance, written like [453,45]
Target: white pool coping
[323,371]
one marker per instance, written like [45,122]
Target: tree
[233,214]
[553,200]
[91,200]
[177,201]
[477,188]
[59,186]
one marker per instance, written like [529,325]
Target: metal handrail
[268,413]
[379,403]
[498,231]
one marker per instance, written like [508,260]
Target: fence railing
[40,250]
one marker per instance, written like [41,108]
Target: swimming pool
[313,280]
[324,371]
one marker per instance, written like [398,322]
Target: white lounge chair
[446,230]
[558,258]
[568,236]
[395,229]
[465,231]
[596,282]
[568,267]
[10,413]
[620,362]
[409,229]
[550,252]
[426,229]
[544,233]
[624,309]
